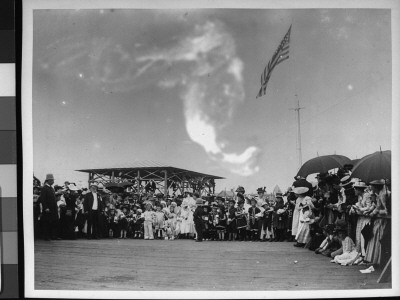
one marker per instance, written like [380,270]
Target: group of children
[217,221]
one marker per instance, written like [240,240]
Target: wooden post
[90,179]
[165,183]
[138,185]
[386,272]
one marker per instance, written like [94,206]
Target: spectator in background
[50,210]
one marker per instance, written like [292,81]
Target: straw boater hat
[300,190]
[360,185]
[199,201]
[345,181]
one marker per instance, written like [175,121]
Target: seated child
[347,254]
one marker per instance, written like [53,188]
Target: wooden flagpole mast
[298,108]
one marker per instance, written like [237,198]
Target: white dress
[187,220]
[350,253]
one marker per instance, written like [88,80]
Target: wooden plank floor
[186,265]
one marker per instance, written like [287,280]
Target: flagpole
[297,109]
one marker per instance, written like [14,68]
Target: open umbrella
[374,166]
[322,164]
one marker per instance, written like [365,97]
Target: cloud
[202,62]
[212,90]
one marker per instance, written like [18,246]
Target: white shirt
[95,204]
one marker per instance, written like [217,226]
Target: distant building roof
[147,165]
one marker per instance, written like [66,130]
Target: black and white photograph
[212,150]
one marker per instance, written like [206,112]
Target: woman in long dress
[187,220]
[301,201]
[373,252]
[303,235]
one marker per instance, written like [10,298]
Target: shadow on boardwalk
[140,265]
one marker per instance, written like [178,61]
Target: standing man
[93,206]
[50,209]
[198,218]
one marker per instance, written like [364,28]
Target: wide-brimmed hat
[253,199]
[345,181]
[329,228]
[300,190]
[49,177]
[298,177]
[378,182]
[240,189]
[73,187]
[261,190]
[240,196]
[360,185]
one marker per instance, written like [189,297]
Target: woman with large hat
[301,201]
[231,220]
[362,206]
[241,219]
[373,252]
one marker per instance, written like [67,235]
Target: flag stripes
[281,54]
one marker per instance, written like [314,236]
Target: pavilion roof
[145,166]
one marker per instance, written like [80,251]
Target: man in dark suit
[92,207]
[50,209]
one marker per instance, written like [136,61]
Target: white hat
[360,185]
[73,187]
[300,190]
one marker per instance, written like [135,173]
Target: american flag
[281,54]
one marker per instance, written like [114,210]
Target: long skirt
[360,242]
[187,226]
[373,253]
[347,258]
[303,234]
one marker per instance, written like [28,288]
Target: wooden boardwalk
[184,265]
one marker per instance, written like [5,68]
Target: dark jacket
[48,200]
[88,202]
[198,214]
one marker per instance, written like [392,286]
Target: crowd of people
[342,218]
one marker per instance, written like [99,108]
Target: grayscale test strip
[8,154]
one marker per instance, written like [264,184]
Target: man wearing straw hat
[50,209]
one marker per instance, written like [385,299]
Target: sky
[179,87]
